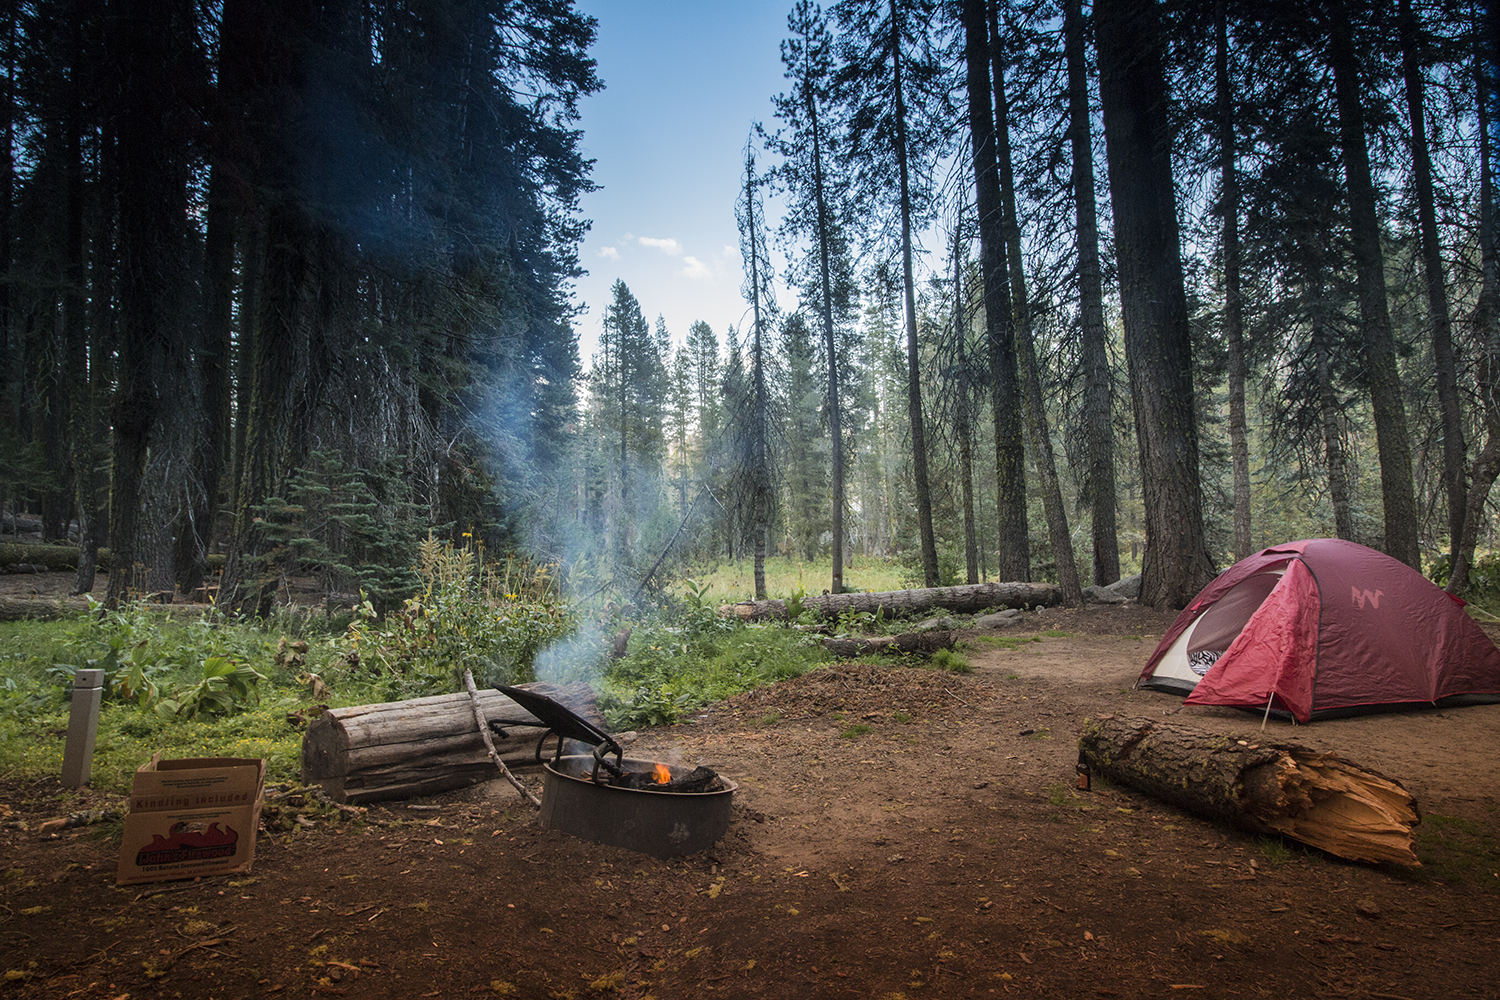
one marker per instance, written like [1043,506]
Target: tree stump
[1311,796]
[422,746]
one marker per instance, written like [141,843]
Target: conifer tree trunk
[1234,323]
[1333,439]
[93,485]
[1397,490]
[1031,379]
[1098,392]
[8,406]
[830,345]
[920,483]
[963,428]
[1158,345]
[1013,557]
[82,430]
[249,584]
[228,197]
[1486,316]
[1446,365]
[153,203]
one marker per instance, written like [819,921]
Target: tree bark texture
[964,600]
[1398,493]
[1098,381]
[1234,311]
[1013,556]
[149,131]
[1268,788]
[423,746]
[1153,300]
[1042,456]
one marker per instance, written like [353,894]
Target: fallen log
[920,643]
[1271,788]
[15,609]
[422,746]
[967,599]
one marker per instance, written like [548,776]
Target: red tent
[1324,626]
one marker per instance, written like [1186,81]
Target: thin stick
[489,744]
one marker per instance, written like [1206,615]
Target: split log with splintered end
[967,599]
[922,643]
[1311,796]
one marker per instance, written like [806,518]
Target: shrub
[679,661]
[493,620]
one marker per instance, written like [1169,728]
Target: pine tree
[752,487]
[886,83]
[819,213]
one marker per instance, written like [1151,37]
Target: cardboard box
[191,817]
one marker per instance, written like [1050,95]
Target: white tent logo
[1361,596]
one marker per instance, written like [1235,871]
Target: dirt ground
[942,853]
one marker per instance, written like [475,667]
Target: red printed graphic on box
[187,842]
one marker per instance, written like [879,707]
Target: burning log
[659,779]
[1311,796]
[921,643]
[967,599]
[423,746]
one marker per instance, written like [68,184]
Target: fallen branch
[489,744]
[920,643]
[1310,796]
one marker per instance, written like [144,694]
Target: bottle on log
[1270,788]
[423,746]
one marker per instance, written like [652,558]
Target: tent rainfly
[1324,627]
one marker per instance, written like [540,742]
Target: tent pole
[1265,718]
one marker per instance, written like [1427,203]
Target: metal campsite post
[83,726]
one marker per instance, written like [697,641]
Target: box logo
[188,842]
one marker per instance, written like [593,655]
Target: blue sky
[684,80]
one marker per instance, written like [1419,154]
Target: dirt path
[941,853]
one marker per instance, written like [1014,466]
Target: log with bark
[967,599]
[921,643]
[422,746]
[1271,788]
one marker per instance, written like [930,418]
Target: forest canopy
[1067,291]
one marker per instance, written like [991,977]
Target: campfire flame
[663,774]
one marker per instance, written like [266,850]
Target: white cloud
[609,253]
[696,269]
[667,246]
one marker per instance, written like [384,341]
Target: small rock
[933,624]
[999,619]
[1102,595]
[1367,908]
